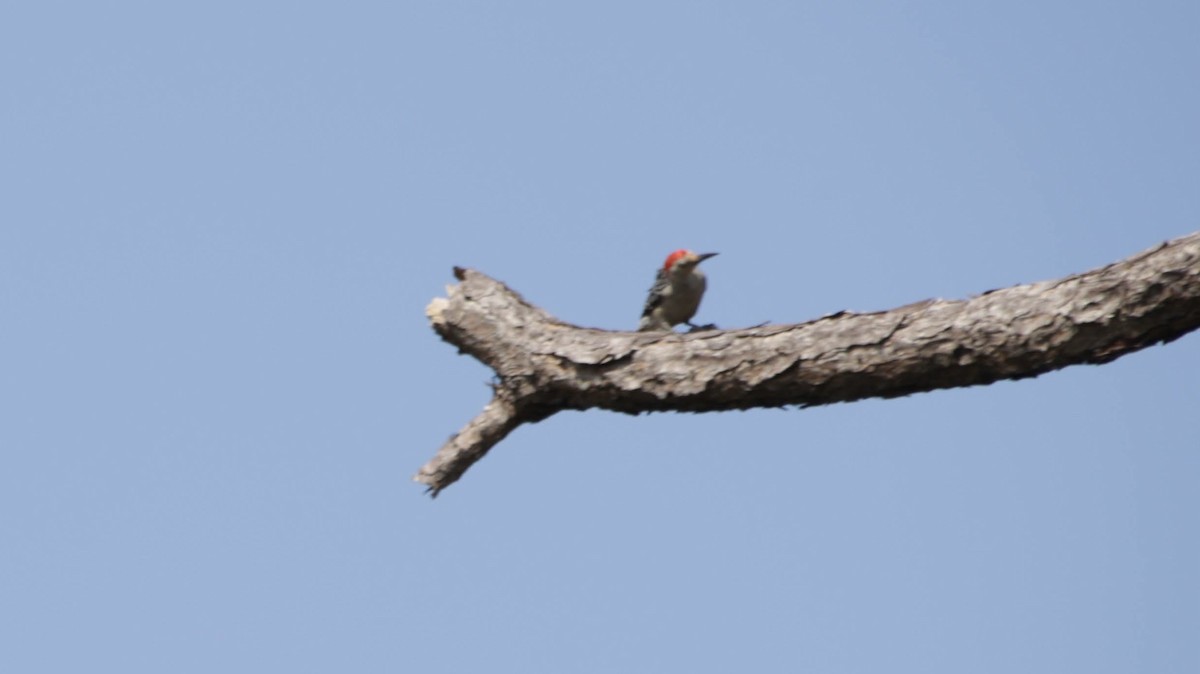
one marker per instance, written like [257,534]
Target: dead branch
[544,365]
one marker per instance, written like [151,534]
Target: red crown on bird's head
[675,256]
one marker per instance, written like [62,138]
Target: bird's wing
[655,296]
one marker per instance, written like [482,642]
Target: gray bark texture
[544,365]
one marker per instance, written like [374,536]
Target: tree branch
[544,365]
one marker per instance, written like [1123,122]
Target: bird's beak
[705,256]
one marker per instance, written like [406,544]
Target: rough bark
[544,365]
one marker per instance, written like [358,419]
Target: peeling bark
[544,365]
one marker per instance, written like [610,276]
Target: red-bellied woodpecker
[676,292]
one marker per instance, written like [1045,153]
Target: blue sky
[222,223]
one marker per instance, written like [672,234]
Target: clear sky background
[220,225]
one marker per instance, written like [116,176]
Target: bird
[678,287]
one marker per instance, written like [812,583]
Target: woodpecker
[676,292]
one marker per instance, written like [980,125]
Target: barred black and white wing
[651,318]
